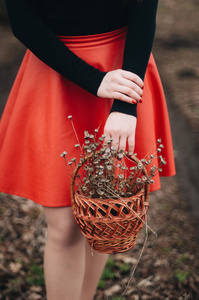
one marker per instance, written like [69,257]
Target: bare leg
[64,259]
[93,269]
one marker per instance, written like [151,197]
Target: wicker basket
[110,225]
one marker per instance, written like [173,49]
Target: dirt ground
[169,266]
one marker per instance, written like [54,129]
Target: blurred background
[169,265]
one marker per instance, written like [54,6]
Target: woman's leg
[64,259]
[94,266]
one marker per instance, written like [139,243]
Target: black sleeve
[29,28]
[138,46]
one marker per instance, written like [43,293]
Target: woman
[82,54]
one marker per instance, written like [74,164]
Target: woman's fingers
[131,94]
[132,86]
[124,97]
[133,77]
[122,85]
[121,128]
[115,142]
[131,144]
[122,143]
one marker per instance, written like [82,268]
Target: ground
[168,267]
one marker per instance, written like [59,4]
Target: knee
[64,232]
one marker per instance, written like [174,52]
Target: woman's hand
[121,85]
[121,127]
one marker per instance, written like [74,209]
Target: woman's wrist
[124,107]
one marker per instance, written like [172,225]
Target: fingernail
[133,101]
[140,101]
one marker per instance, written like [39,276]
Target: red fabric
[35,129]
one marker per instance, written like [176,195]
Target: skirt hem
[157,187]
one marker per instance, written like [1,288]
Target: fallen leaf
[112,290]
[15,267]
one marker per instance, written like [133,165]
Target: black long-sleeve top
[38,23]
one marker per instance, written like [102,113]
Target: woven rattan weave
[110,225]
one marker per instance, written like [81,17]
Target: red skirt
[35,129]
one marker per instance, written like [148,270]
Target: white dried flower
[63,154]
[100,192]
[120,176]
[113,148]
[144,178]
[109,168]
[120,156]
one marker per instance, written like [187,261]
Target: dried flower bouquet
[109,192]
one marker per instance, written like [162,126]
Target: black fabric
[36,23]
[124,107]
